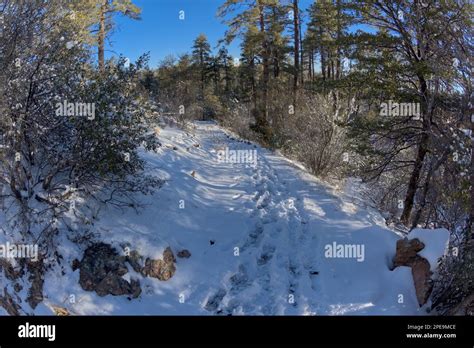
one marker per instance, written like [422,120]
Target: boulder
[421,273]
[161,269]
[407,252]
[407,255]
[101,270]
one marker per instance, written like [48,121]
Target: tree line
[378,90]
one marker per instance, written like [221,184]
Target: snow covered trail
[257,237]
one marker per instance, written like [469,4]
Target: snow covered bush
[313,136]
[68,130]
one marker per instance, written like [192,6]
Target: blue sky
[161,32]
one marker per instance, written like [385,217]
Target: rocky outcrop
[101,270]
[407,255]
[35,272]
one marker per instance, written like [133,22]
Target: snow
[269,223]
[436,244]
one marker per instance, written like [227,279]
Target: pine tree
[201,56]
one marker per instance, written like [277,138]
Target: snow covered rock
[421,252]
[407,252]
[435,241]
[161,269]
[101,270]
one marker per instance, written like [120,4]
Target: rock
[101,270]
[161,269]
[214,301]
[421,273]
[407,251]
[184,254]
[60,311]
[117,286]
[75,264]
[407,255]
[212,242]
[168,256]
[7,302]
[135,260]
[35,270]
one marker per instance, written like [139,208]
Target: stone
[161,269]
[101,270]
[407,255]
[184,254]
[407,251]
[213,302]
[421,273]
[168,256]
[135,260]
[76,264]
[60,311]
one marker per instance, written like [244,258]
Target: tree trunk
[414,178]
[101,35]
[322,54]
[296,53]
[301,52]
[262,117]
[471,214]
[420,157]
